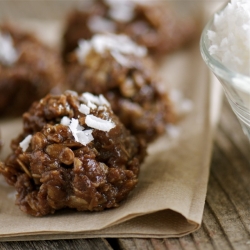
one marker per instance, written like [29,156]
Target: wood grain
[226,218]
[88,244]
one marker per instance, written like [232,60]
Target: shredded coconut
[101,108]
[230,38]
[123,60]
[98,123]
[8,54]
[85,136]
[92,99]
[124,10]
[24,144]
[103,101]
[89,97]
[75,127]
[98,24]
[121,10]
[65,121]
[91,105]
[84,47]
[90,102]
[119,46]
[80,135]
[84,109]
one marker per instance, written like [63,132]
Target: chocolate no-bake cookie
[28,70]
[113,65]
[156,25]
[73,152]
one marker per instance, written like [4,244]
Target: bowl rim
[236,79]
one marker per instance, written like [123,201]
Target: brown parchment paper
[170,196]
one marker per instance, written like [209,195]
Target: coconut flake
[119,46]
[98,24]
[8,54]
[89,97]
[80,135]
[120,43]
[121,10]
[101,108]
[123,60]
[98,123]
[91,105]
[84,109]
[103,100]
[65,121]
[24,144]
[75,127]
[84,47]
[99,100]
[91,100]
[85,137]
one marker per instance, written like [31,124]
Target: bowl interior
[237,80]
[236,86]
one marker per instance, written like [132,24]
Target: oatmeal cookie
[28,70]
[73,153]
[113,65]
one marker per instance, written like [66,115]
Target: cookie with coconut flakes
[157,25]
[73,153]
[118,68]
[28,70]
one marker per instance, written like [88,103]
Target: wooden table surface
[226,219]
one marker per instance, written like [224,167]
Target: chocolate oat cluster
[115,66]
[73,152]
[153,24]
[28,70]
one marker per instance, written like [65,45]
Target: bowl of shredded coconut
[225,47]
